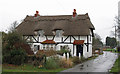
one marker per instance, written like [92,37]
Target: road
[103,63]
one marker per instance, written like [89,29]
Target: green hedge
[16,57]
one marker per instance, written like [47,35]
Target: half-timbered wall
[63,40]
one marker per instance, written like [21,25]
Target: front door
[79,50]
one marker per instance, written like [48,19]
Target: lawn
[116,67]
[109,50]
[112,50]
[31,68]
[27,68]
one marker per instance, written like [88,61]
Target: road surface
[103,63]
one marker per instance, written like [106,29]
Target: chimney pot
[37,14]
[74,10]
[86,14]
[74,13]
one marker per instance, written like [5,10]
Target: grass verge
[27,68]
[116,67]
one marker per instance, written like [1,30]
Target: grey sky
[101,12]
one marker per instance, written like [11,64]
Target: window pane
[41,32]
[59,33]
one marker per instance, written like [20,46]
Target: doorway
[79,49]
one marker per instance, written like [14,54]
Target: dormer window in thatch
[58,33]
[39,32]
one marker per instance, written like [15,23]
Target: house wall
[67,42]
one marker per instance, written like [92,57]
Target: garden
[18,57]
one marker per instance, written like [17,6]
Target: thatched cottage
[54,32]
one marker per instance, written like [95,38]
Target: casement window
[43,47]
[51,46]
[61,47]
[47,46]
[59,33]
[41,33]
[36,47]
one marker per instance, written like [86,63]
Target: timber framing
[70,37]
[87,43]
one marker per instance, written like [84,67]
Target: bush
[14,49]
[83,59]
[24,46]
[65,63]
[51,64]
[16,57]
[7,58]
[35,60]
[46,53]
[76,60]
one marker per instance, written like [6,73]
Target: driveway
[101,64]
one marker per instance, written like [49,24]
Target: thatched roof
[80,25]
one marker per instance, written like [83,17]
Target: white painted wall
[58,39]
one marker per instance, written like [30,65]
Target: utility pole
[115,32]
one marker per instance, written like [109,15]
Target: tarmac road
[103,63]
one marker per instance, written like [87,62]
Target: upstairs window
[41,32]
[59,33]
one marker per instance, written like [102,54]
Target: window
[47,47]
[51,47]
[61,47]
[43,47]
[59,33]
[41,33]
[90,37]
[36,47]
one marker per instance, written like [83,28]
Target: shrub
[51,64]
[16,57]
[46,53]
[83,59]
[65,63]
[35,60]
[76,60]
[14,49]
[24,46]
[7,58]
[11,38]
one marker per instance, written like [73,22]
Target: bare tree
[13,26]
[97,36]
[97,43]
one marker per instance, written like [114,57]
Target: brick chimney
[37,14]
[74,13]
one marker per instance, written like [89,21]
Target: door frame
[79,49]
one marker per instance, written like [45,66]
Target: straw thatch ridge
[80,25]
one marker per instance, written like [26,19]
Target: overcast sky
[101,12]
